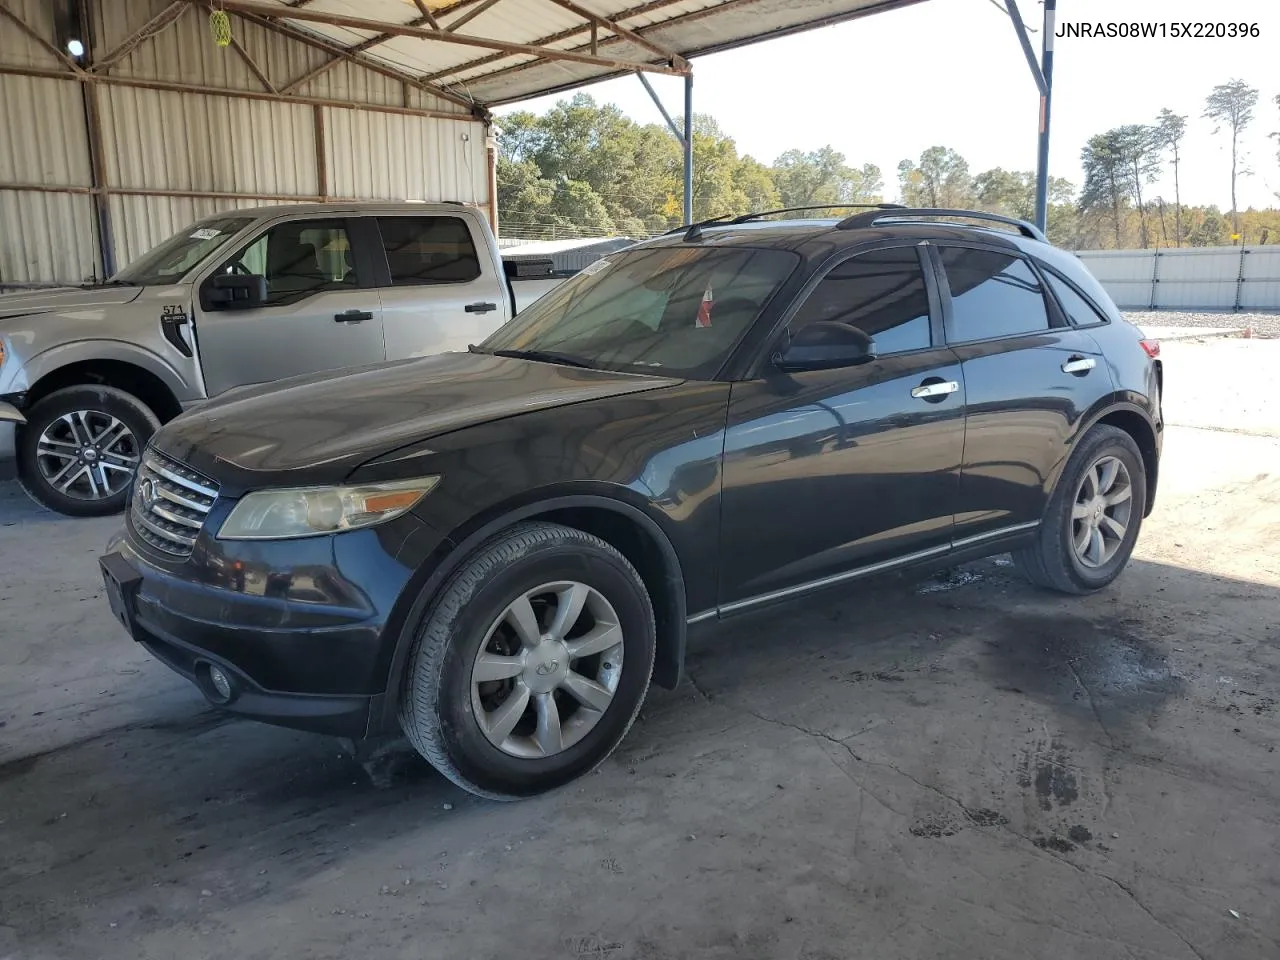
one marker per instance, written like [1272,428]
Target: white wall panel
[384,156]
[142,222]
[18,48]
[46,237]
[52,110]
[183,141]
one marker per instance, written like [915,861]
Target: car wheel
[1088,532]
[532,663]
[80,447]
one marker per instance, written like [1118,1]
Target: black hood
[317,429]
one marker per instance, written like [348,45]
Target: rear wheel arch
[626,528]
[1134,421]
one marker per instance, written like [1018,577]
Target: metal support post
[688,148]
[1046,104]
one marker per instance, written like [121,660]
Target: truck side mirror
[233,291]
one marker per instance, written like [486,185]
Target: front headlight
[312,511]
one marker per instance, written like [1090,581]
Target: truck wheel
[1092,523]
[532,664]
[80,447]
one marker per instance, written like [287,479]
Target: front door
[1030,376]
[321,312]
[832,473]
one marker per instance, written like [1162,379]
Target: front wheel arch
[628,529]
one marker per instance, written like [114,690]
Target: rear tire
[79,449]
[504,698]
[1079,547]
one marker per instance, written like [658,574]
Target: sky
[952,72]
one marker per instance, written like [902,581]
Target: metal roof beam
[156,25]
[657,102]
[35,36]
[270,11]
[550,38]
[614,27]
[1020,29]
[341,53]
[470,15]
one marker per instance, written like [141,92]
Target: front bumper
[10,418]
[303,630]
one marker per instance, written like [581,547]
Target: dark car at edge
[495,552]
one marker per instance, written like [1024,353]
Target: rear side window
[428,250]
[882,293]
[1078,310]
[992,295]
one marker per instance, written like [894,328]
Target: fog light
[221,683]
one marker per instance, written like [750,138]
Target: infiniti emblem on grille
[147,492]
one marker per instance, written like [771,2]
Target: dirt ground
[961,767]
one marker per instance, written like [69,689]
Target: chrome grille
[170,504]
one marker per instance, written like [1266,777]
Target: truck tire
[80,446]
[1092,523]
[532,663]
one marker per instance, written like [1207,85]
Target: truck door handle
[1079,366]
[480,307]
[934,391]
[352,316]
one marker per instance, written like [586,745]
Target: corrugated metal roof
[455,55]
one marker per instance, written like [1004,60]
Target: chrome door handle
[938,389]
[1079,365]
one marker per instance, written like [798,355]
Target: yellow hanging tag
[220,24]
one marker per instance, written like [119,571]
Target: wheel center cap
[545,666]
[89,454]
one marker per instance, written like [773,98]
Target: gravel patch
[1262,324]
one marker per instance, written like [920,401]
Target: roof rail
[748,217]
[701,223]
[872,218]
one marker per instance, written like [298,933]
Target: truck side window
[298,259]
[429,250]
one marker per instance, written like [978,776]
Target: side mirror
[826,346]
[529,269]
[233,291]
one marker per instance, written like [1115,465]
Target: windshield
[677,311]
[177,256]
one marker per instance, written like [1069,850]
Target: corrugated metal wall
[1189,278]
[171,157]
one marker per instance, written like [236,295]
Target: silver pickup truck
[88,373]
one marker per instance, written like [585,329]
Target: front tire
[80,447]
[532,663]
[1092,523]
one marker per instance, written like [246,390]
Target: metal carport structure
[446,60]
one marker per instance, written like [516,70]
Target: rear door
[321,311]
[438,289]
[1029,375]
[831,473]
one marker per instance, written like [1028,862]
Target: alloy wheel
[87,455]
[547,670]
[1101,512]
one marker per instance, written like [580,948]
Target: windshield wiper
[111,283]
[546,356]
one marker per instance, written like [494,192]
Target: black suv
[495,551]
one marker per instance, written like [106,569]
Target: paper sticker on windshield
[205,233]
[703,318]
[591,269]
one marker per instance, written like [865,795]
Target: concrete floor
[961,767]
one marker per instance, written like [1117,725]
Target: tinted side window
[992,295]
[1078,309]
[429,250]
[299,259]
[882,293]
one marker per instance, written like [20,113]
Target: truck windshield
[181,253]
[676,311]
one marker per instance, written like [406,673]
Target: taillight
[1150,347]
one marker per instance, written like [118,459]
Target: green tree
[940,179]
[1139,146]
[1170,129]
[1108,187]
[1013,192]
[756,182]
[1231,106]
[824,176]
